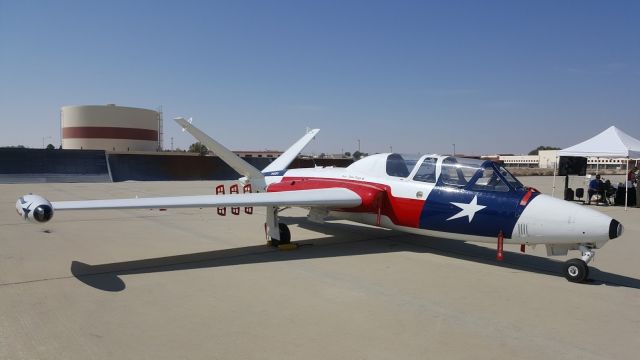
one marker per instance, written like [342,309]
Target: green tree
[359,155]
[542,147]
[198,148]
[50,147]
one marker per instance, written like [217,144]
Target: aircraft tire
[576,270]
[285,234]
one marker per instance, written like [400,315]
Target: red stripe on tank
[104,132]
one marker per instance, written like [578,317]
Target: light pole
[358,145]
[454,149]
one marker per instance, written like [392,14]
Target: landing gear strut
[576,270]
[277,232]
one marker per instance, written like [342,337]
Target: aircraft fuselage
[469,213]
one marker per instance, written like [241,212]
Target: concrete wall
[59,166]
[174,167]
[38,161]
[37,165]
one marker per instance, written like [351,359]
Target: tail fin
[283,161]
[233,160]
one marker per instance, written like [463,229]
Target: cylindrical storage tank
[109,127]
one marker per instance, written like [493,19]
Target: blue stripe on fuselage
[500,213]
[274,173]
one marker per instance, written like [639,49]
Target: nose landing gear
[576,270]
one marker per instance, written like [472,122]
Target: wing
[332,198]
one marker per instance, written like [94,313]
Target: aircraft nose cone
[615,229]
[550,220]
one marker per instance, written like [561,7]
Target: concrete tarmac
[189,284]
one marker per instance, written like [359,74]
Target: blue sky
[489,76]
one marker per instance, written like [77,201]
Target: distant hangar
[110,127]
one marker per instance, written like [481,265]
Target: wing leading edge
[334,197]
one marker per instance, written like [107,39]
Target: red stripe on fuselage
[401,211]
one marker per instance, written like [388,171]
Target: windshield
[510,178]
[459,171]
[489,181]
[427,170]
[477,175]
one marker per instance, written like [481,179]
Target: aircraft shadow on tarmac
[346,240]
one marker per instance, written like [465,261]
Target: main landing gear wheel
[576,270]
[285,236]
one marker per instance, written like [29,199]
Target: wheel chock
[287,247]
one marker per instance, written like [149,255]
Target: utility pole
[358,145]
[454,149]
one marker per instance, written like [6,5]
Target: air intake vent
[523,230]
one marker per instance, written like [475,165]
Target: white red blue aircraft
[434,195]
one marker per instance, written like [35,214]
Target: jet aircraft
[434,195]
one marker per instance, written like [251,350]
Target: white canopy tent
[611,143]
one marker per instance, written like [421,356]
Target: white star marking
[469,209]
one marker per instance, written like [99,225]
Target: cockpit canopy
[476,175]
[463,173]
[398,166]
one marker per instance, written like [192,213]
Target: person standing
[631,177]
